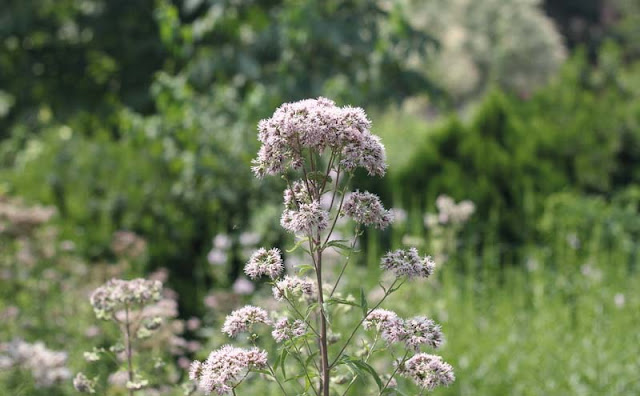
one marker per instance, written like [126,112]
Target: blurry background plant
[509,44]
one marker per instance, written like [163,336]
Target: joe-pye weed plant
[316,147]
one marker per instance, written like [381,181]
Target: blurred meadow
[512,135]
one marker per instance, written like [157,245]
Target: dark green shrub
[578,134]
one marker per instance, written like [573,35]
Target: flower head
[117,294]
[409,263]
[366,208]
[264,262]
[427,371]
[225,368]
[242,319]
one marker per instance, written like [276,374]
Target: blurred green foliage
[579,134]
[141,115]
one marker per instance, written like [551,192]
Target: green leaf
[335,300]
[363,302]
[304,268]
[367,368]
[297,245]
[285,353]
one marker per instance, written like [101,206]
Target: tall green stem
[127,326]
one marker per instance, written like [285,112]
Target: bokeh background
[127,128]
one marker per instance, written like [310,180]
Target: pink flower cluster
[264,262]
[317,125]
[308,219]
[388,323]
[413,332]
[242,319]
[365,208]
[225,368]
[408,263]
[284,329]
[427,371]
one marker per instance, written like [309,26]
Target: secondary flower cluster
[284,329]
[428,371]
[409,263]
[264,262]
[365,208]
[46,366]
[449,212]
[309,218]
[414,332]
[293,286]
[242,319]
[316,125]
[225,368]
